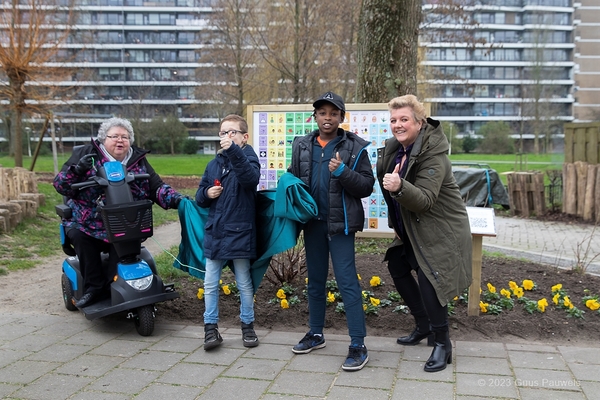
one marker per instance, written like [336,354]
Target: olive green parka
[433,212]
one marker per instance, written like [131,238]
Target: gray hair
[111,123]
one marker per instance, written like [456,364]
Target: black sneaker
[212,337]
[248,335]
[357,358]
[309,342]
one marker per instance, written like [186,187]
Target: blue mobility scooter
[136,286]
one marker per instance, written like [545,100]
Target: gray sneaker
[308,343]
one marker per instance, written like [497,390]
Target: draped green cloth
[280,214]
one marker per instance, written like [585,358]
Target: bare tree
[388,49]
[234,81]
[31,39]
[295,40]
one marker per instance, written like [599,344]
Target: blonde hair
[411,101]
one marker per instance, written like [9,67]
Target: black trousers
[420,297]
[96,276]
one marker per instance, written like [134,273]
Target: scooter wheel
[67,292]
[144,321]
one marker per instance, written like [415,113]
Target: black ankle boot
[212,337]
[441,354]
[415,338]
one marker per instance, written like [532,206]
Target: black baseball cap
[332,98]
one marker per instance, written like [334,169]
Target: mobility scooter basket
[128,221]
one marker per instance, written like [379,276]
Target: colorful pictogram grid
[275,132]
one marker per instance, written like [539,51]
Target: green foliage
[364,245]
[469,144]
[190,146]
[496,138]
[451,130]
[165,135]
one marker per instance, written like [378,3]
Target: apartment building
[531,63]
[136,59]
[586,90]
[517,65]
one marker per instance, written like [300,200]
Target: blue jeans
[211,289]
[319,246]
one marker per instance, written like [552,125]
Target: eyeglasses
[116,138]
[230,133]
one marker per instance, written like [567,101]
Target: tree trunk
[387,49]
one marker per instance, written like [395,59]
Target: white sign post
[482,224]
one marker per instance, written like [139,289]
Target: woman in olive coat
[430,221]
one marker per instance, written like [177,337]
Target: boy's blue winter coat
[230,230]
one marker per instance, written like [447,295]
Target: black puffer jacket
[338,197]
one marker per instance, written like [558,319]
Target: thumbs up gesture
[392,181]
[335,163]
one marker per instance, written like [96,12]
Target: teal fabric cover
[280,215]
[191,249]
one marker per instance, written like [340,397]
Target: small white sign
[481,220]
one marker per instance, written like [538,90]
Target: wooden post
[481,221]
[597,194]
[588,203]
[581,170]
[570,188]
[474,295]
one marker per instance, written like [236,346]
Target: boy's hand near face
[226,142]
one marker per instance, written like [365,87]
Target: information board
[273,129]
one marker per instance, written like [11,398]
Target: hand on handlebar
[85,164]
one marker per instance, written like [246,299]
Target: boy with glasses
[228,188]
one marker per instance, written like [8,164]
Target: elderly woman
[430,221]
[86,229]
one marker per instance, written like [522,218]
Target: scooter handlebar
[94,181]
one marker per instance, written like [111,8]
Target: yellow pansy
[528,284]
[556,298]
[556,287]
[281,294]
[375,281]
[375,301]
[567,302]
[542,304]
[505,293]
[364,307]
[518,292]
[306,281]
[512,285]
[226,289]
[330,297]
[284,303]
[592,304]
[491,288]
[483,306]
[200,294]
[359,277]
[364,294]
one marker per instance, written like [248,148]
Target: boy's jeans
[212,287]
